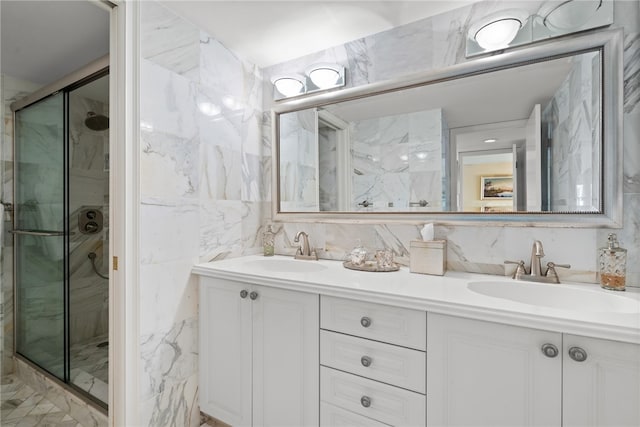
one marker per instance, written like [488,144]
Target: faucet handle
[520,269]
[551,270]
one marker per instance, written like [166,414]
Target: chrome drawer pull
[365,401]
[365,322]
[366,361]
[244,293]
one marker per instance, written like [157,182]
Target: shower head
[96,121]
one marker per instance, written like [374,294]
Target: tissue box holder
[428,257]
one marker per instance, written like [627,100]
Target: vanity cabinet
[483,373]
[259,354]
[373,364]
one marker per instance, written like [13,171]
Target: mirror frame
[610,44]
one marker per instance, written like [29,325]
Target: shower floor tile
[21,406]
[90,366]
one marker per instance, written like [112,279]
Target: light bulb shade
[498,30]
[324,77]
[289,85]
[566,15]
[498,34]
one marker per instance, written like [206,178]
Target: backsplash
[439,42]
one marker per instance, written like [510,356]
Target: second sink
[557,296]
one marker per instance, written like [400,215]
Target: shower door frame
[93,71]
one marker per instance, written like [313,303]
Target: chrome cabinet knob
[366,361]
[550,350]
[253,295]
[577,354]
[365,401]
[365,322]
[244,293]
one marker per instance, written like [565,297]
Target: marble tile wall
[12,90]
[399,160]
[202,195]
[574,115]
[439,42]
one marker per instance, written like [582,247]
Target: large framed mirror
[522,138]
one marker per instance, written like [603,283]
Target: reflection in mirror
[524,138]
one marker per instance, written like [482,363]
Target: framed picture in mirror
[496,187]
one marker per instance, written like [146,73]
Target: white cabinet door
[603,389]
[487,374]
[285,358]
[225,351]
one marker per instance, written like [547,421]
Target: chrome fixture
[365,203]
[317,77]
[97,122]
[422,203]
[516,27]
[535,271]
[304,251]
[92,256]
[90,221]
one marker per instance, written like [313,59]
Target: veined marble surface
[12,90]
[439,42]
[202,195]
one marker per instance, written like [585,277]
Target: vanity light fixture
[497,30]
[568,14]
[517,27]
[288,86]
[325,76]
[318,77]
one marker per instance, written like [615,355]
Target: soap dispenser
[613,264]
[268,238]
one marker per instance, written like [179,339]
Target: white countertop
[446,294]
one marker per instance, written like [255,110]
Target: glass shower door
[39,233]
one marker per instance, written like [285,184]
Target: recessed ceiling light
[490,140]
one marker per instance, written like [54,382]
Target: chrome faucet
[536,254]
[304,250]
[535,272]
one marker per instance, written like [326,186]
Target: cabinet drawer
[332,416]
[399,366]
[386,404]
[379,322]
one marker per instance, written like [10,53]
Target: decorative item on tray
[357,260]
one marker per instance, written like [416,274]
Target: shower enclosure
[61,204]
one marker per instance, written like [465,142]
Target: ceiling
[271,32]
[42,41]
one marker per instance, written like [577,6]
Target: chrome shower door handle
[40,233]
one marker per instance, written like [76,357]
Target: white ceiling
[271,32]
[43,41]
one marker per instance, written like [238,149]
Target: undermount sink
[286,266]
[559,297]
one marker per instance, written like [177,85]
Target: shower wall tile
[202,195]
[12,90]
[437,42]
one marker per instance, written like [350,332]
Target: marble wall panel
[440,42]
[202,195]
